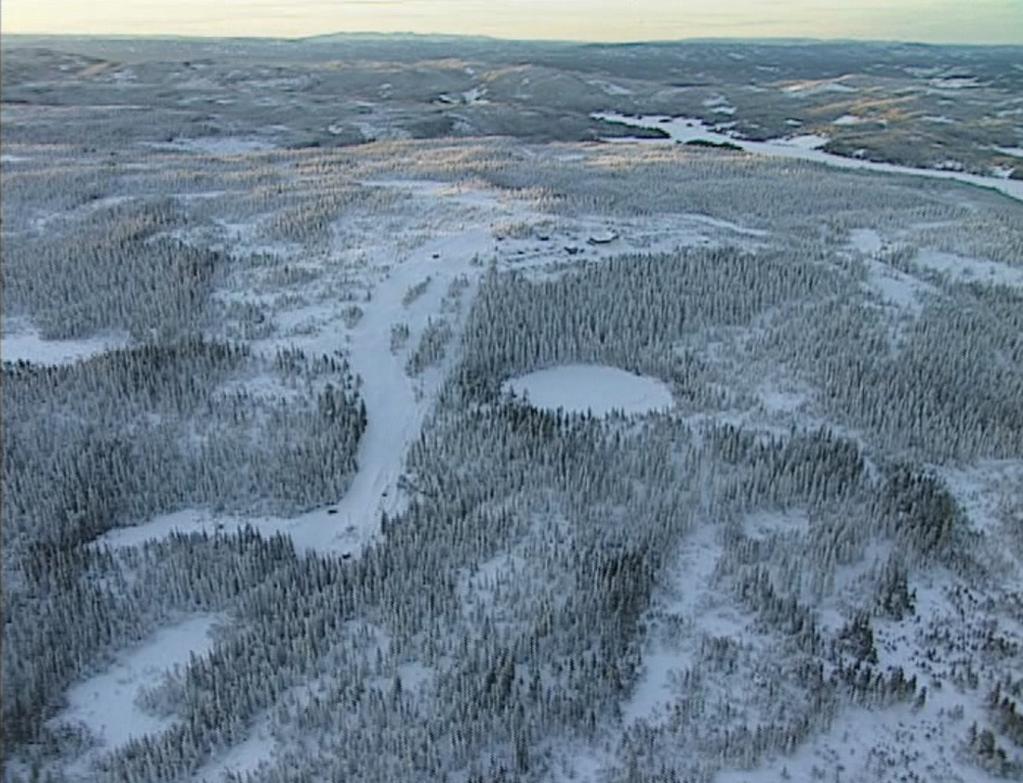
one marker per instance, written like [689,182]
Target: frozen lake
[596,388]
[805,147]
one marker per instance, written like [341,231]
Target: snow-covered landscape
[801,146]
[426,410]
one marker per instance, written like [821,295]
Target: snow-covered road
[396,404]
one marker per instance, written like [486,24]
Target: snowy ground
[983,490]
[970,270]
[258,750]
[22,342]
[896,288]
[105,703]
[364,264]
[464,223]
[600,390]
[685,599]
[866,240]
[188,521]
[848,119]
[396,404]
[891,742]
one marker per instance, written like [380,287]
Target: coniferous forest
[299,396]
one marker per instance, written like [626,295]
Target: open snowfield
[970,270]
[20,342]
[686,599]
[866,240]
[582,388]
[106,702]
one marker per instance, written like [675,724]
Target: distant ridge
[395,37]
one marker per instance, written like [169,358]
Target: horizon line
[773,39]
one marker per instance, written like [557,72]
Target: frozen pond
[683,129]
[595,388]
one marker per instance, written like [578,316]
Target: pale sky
[954,21]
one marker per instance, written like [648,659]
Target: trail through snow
[394,408]
[396,404]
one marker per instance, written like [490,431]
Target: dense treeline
[507,612]
[631,311]
[141,430]
[66,609]
[129,434]
[948,389]
[506,609]
[123,273]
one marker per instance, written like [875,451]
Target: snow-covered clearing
[719,104]
[242,759]
[683,129]
[258,750]
[725,224]
[192,521]
[610,87]
[956,82]
[849,119]
[814,87]
[866,745]
[866,240]
[23,342]
[778,400]
[970,270]
[806,141]
[681,609]
[983,491]
[684,606]
[475,95]
[482,581]
[106,704]
[592,388]
[897,288]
